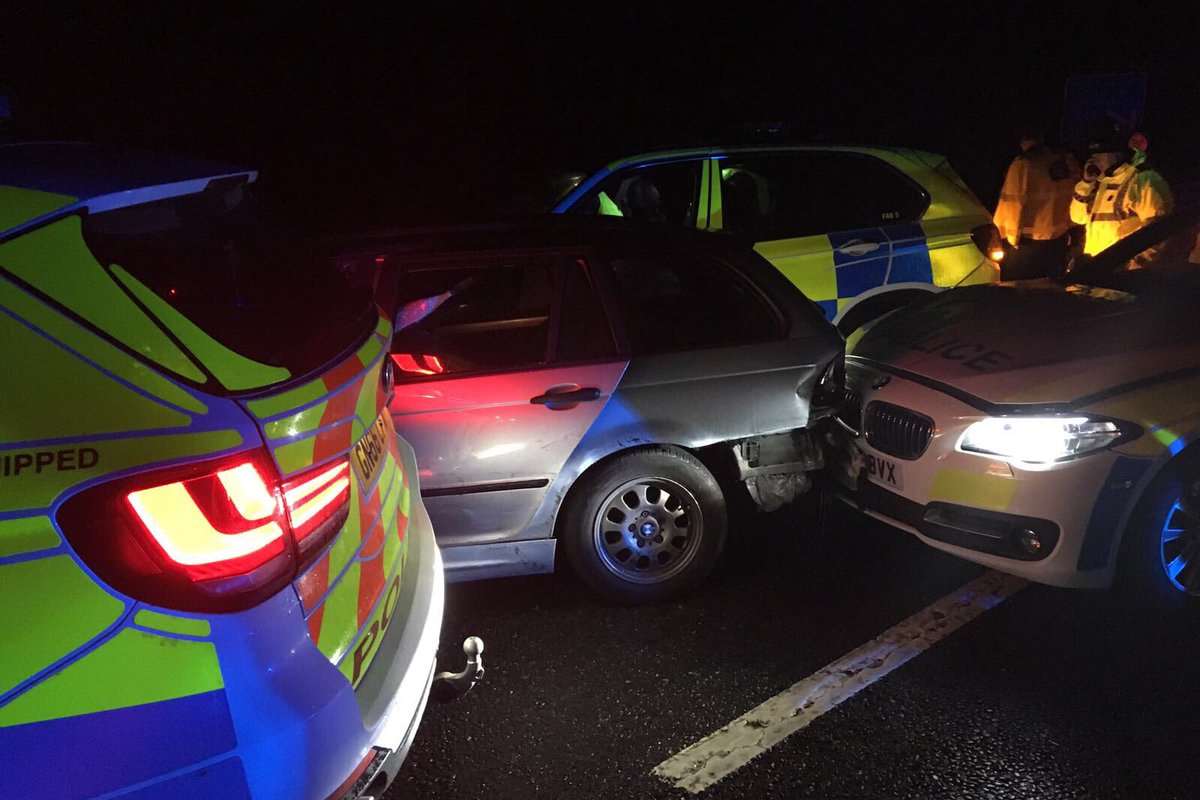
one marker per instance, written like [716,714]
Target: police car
[1043,429]
[860,230]
[217,578]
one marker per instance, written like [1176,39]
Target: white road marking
[712,758]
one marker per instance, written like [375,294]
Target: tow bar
[449,686]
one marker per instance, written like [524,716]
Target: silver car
[598,386]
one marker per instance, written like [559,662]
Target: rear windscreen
[267,295]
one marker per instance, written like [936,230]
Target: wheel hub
[647,530]
[1179,545]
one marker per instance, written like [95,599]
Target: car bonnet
[1038,343]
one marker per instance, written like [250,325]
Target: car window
[482,317]
[583,330]
[657,193]
[212,257]
[688,302]
[785,195]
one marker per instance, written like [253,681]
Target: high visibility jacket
[1119,203]
[1036,197]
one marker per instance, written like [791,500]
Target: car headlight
[1039,440]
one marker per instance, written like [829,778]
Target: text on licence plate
[883,471]
[369,451]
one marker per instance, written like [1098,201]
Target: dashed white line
[712,758]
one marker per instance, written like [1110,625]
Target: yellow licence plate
[369,451]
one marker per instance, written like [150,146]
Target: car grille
[897,431]
[850,411]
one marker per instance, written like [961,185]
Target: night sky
[363,119]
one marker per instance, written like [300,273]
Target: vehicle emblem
[881,381]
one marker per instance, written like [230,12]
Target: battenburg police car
[859,230]
[1043,429]
[217,578]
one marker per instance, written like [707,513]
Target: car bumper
[976,507]
[302,730]
[392,695]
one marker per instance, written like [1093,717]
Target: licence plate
[368,452]
[883,471]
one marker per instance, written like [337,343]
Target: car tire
[676,509]
[1151,545]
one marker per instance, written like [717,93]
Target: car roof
[100,177]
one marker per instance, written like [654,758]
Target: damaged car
[601,387]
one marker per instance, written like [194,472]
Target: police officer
[1033,215]
[1119,192]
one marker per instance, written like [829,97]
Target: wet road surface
[1052,693]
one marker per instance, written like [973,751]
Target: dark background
[359,118]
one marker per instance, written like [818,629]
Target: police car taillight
[317,504]
[215,536]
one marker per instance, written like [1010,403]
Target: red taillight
[987,239]
[215,536]
[317,504]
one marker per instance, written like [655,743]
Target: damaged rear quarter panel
[697,399]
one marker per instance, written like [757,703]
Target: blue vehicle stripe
[857,274]
[96,753]
[910,254]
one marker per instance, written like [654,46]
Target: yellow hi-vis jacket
[1036,197]
[1118,204]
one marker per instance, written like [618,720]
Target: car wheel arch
[1189,454]
[706,456]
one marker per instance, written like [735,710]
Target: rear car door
[496,386]
[713,355]
[836,224]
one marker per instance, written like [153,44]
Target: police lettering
[374,633]
[38,461]
[973,356]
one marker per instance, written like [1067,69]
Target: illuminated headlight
[1038,440]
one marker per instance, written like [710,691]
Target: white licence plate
[883,471]
[368,452]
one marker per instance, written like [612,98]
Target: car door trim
[479,488]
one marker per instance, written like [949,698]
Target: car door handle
[551,398]
[857,247]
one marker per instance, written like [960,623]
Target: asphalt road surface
[1050,693]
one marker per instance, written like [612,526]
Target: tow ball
[449,686]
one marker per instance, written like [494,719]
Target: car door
[496,385]
[712,355]
[821,217]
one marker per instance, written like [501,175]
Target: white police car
[1043,429]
